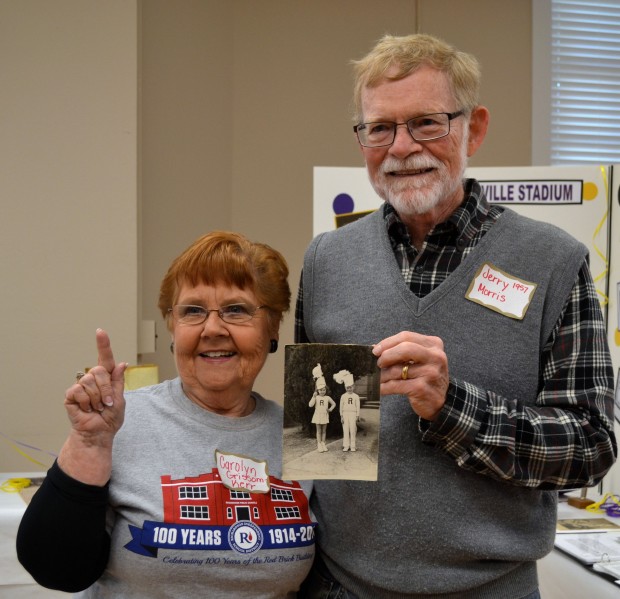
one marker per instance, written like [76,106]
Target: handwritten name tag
[501,292]
[241,473]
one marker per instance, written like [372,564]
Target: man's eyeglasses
[232,314]
[421,128]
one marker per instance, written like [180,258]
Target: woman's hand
[96,409]
[424,362]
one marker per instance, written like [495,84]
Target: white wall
[186,140]
[68,197]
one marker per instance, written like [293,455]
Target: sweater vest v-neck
[354,292]
[439,528]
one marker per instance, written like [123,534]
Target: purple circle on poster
[343,204]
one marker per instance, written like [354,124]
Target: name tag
[501,292]
[241,473]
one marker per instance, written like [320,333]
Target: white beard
[418,195]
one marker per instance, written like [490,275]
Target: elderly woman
[173,490]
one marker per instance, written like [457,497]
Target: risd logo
[245,537]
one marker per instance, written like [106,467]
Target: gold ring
[405,373]
[78,375]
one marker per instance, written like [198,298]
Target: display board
[613,310]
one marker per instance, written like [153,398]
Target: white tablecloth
[15,582]
[562,577]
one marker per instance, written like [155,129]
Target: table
[562,577]
[15,582]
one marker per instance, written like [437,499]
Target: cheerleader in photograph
[323,404]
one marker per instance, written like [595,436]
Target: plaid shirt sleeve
[567,440]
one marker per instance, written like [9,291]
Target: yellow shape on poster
[590,191]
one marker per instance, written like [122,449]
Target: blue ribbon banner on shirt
[244,537]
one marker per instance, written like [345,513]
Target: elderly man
[496,378]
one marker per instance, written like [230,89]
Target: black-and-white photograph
[331,412]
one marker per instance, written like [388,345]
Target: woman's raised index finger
[105,357]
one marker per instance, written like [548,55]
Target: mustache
[410,163]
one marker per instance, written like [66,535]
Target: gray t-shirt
[197,505]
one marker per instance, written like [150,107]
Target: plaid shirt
[567,440]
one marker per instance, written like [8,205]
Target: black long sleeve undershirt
[62,539]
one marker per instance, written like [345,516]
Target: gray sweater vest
[428,527]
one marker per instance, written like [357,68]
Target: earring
[273,346]
[172,347]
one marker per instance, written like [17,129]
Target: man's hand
[427,375]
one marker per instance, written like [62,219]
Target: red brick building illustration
[204,500]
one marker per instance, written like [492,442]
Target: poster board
[613,310]
[575,198]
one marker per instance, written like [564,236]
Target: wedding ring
[78,375]
[405,373]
